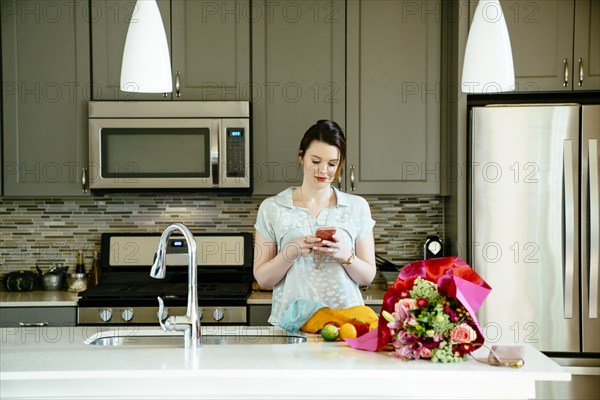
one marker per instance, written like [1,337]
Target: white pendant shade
[146,66]
[488,64]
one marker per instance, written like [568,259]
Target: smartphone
[326,233]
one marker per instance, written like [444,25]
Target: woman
[289,257]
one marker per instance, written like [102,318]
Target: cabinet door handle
[580,72]
[84,179]
[35,324]
[352,188]
[566,72]
[177,75]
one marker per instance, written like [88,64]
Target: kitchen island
[54,362]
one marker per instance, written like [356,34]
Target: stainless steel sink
[212,336]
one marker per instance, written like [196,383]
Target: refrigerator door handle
[594,227]
[569,228]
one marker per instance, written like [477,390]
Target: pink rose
[407,304]
[425,352]
[463,333]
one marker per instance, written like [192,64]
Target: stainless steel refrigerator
[534,231]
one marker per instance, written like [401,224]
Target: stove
[127,295]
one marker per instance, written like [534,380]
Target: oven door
[153,153]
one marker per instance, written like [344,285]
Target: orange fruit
[348,331]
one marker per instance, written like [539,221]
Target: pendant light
[146,66]
[488,64]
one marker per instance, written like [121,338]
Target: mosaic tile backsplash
[50,231]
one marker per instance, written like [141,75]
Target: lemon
[330,332]
[348,331]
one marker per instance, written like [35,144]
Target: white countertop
[38,298]
[52,362]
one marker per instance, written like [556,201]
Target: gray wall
[49,231]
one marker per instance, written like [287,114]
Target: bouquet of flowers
[429,312]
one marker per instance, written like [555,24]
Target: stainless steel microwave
[169,145]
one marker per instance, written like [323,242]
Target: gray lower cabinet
[394,97]
[555,43]
[209,43]
[37,316]
[46,85]
[298,77]
[258,314]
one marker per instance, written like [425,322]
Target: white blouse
[315,276]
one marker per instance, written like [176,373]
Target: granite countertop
[38,298]
[36,362]
[373,295]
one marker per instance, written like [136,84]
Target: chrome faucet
[190,323]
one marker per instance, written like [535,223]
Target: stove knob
[218,314]
[106,314]
[127,314]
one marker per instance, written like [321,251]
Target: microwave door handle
[215,174]
[594,228]
[215,151]
[569,228]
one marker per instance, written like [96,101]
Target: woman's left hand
[333,249]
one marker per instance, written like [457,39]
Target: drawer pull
[33,324]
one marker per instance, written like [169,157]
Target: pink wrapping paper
[454,278]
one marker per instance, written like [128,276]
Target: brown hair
[326,131]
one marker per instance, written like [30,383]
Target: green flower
[426,289]
[444,354]
[441,322]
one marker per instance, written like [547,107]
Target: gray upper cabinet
[555,44]
[586,46]
[211,49]
[46,86]
[209,43]
[298,78]
[393,91]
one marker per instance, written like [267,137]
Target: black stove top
[138,289]
[224,271]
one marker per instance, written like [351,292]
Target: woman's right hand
[299,247]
